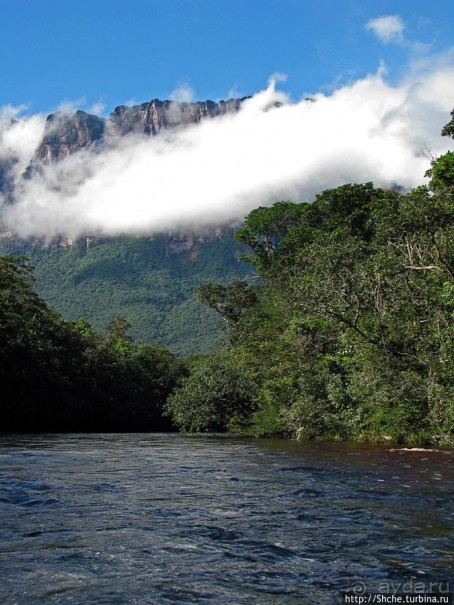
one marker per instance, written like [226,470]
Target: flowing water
[156,519]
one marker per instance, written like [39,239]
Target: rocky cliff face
[66,134]
[150,118]
[6,178]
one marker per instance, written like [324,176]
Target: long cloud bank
[217,171]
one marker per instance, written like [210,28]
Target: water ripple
[157,519]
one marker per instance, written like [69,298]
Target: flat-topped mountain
[68,133]
[150,118]
[149,281]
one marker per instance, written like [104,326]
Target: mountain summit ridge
[148,280]
[65,133]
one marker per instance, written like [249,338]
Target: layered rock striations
[66,134]
[150,118]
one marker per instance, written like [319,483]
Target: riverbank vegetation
[57,375]
[351,334]
[344,332]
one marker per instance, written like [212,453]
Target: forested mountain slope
[149,282]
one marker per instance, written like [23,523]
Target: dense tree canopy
[345,332]
[59,375]
[350,334]
[148,281]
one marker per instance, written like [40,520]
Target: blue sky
[380,73]
[113,52]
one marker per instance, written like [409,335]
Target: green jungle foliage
[343,328]
[350,335]
[57,375]
[138,279]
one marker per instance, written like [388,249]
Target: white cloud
[217,171]
[97,108]
[277,77]
[69,107]
[182,94]
[388,28]
[19,137]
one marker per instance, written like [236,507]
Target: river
[139,519]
